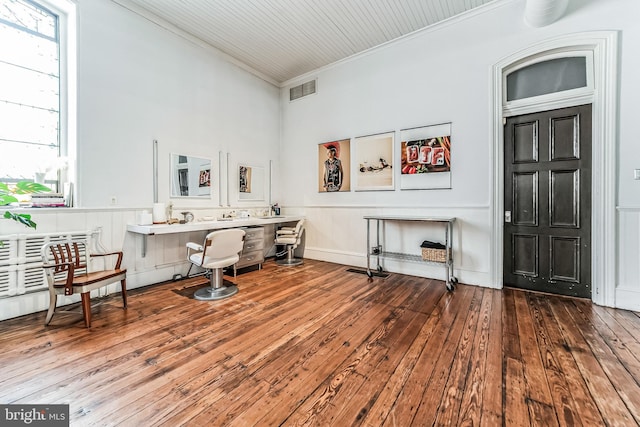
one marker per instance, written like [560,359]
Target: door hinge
[504,121]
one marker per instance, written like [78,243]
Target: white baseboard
[411,268]
[628,299]
[20,305]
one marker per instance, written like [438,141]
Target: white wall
[138,82]
[440,75]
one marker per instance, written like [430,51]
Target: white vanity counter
[151,230]
[155,229]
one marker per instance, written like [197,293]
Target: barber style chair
[66,268]
[220,249]
[290,237]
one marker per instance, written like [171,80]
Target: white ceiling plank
[283,39]
[412,19]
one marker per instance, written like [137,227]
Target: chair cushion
[286,239]
[285,232]
[213,262]
[94,280]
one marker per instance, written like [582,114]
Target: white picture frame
[425,157]
[373,159]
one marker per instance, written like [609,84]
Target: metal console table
[378,252]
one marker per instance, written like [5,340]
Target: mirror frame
[258,182]
[192,179]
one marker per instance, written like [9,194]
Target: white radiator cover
[21,263]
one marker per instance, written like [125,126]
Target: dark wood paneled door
[547,199]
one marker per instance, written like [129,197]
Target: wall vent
[297,92]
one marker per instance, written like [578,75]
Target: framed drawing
[334,166]
[244,179]
[373,160]
[205,178]
[425,157]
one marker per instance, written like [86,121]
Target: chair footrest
[211,294]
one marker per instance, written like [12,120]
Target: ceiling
[282,39]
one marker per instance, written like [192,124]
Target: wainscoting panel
[339,234]
[335,234]
[628,286]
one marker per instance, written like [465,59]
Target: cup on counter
[159,213]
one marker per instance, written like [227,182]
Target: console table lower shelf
[379,253]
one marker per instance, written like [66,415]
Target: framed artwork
[190,176]
[373,160]
[334,171]
[244,174]
[205,178]
[425,157]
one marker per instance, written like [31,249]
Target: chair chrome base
[212,294]
[219,289]
[289,262]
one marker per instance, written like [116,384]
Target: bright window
[553,75]
[31,130]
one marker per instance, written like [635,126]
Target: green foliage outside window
[8,196]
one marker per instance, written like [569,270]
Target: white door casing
[603,49]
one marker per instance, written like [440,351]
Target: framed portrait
[425,157]
[244,179]
[334,172]
[204,179]
[373,160]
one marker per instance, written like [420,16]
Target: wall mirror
[190,176]
[251,182]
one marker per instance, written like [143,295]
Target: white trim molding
[603,45]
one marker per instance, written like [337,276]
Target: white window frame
[67,24]
[67,36]
[581,95]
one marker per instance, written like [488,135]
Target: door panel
[548,190]
[526,246]
[565,194]
[526,143]
[525,198]
[565,144]
[565,259]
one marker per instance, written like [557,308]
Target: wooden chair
[66,267]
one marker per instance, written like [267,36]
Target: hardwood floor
[317,345]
